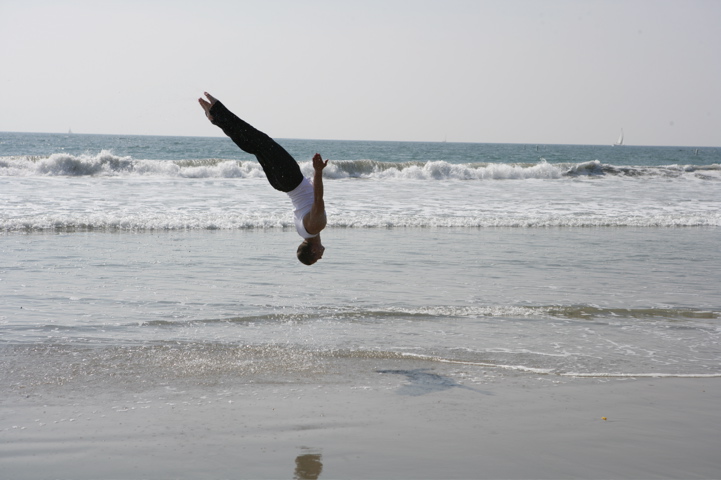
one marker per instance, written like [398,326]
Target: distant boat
[619,142]
[70,130]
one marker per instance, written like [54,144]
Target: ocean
[130,261]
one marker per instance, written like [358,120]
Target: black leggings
[279,166]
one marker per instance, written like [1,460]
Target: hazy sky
[533,71]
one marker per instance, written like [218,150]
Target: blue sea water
[141,257]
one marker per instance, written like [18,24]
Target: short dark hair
[305,254]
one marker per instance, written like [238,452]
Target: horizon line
[70,133]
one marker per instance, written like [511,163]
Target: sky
[495,71]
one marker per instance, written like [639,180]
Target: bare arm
[316,219]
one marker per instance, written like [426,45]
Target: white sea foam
[230,195]
[108,192]
[179,221]
[106,163]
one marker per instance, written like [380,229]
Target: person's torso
[302,197]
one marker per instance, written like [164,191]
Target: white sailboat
[619,142]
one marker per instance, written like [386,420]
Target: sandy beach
[368,419]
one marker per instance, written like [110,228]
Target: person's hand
[207,105]
[318,163]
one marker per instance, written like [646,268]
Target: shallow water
[558,302]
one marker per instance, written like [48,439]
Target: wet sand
[368,419]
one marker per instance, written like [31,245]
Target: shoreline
[367,419]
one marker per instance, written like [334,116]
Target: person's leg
[279,166]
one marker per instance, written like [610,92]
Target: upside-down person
[283,174]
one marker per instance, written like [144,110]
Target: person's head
[310,252]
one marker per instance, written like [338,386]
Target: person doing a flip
[283,174]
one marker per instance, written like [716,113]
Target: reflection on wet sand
[422,382]
[308,466]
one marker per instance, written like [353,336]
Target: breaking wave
[107,164]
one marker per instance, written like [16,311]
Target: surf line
[642,375]
[548,371]
[543,371]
